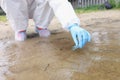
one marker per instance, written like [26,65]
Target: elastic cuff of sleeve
[73,25]
[41,28]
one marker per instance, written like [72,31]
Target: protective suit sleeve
[64,11]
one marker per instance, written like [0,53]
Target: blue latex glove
[79,35]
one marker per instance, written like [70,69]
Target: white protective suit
[19,12]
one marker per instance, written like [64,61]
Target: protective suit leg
[42,17]
[17,13]
[31,8]
[43,14]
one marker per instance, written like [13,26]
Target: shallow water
[52,58]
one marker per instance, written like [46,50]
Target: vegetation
[3,18]
[115,5]
[89,9]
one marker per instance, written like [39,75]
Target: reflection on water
[99,37]
[6,59]
[4,66]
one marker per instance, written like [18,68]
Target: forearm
[64,11]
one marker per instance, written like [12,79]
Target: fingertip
[81,45]
[75,47]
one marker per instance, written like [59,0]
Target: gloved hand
[79,35]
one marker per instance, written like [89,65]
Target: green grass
[3,18]
[94,9]
[89,9]
[115,4]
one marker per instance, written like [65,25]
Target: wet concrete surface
[52,58]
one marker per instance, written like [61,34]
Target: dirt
[52,58]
